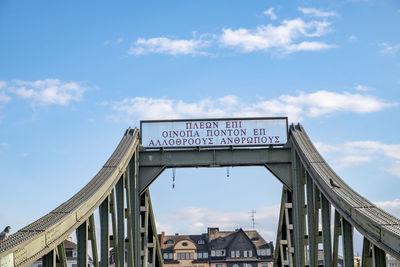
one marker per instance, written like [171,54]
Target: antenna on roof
[227,172]
[252,218]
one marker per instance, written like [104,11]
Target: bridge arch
[120,189]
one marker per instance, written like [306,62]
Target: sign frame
[215,119]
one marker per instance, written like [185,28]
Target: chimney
[162,240]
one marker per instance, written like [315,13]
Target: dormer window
[201,242]
[169,242]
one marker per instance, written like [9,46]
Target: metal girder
[152,163]
[312,219]
[326,231]
[49,260]
[121,220]
[114,227]
[104,211]
[92,238]
[135,208]
[61,260]
[337,231]
[347,240]
[298,210]
[284,247]
[372,256]
[82,237]
[129,213]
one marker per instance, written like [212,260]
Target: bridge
[120,192]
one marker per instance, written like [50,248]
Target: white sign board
[214,132]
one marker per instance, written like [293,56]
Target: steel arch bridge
[120,192]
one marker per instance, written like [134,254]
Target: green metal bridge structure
[120,192]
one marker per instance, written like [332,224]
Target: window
[264,265]
[250,253]
[187,255]
[178,256]
[218,265]
[184,244]
[247,265]
[169,241]
[233,255]
[191,255]
[201,242]
[68,253]
[237,253]
[199,255]
[245,253]
[268,252]
[263,252]
[205,255]
[235,265]
[258,252]
[165,256]
[171,256]
[212,253]
[74,265]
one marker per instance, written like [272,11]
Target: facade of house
[216,248]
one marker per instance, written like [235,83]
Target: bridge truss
[120,193]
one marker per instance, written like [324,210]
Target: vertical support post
[104,212]
[279,256]
[114,227]
[146,228]
[92,237]
[298,210]
[61,257]
[49,260]
[347,239]
[326,231]
[82,237]
[129,248]
[367,258]
[379,257]
[135,208]
[312,238]
[121,220]
[336,232]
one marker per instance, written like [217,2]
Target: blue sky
[74,75]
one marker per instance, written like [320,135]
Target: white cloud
[392,207]
[164,45]
[391,49]
[3,84]
[317,12]
[120,40]
[354,153]
[296,107]
[270,12]
[48,91]
[353,38]
[363,88]
[196,220]
[281,37]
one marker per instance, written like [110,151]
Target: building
[217,248]
[70,253]
[392,261]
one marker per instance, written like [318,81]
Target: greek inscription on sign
[213,133]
